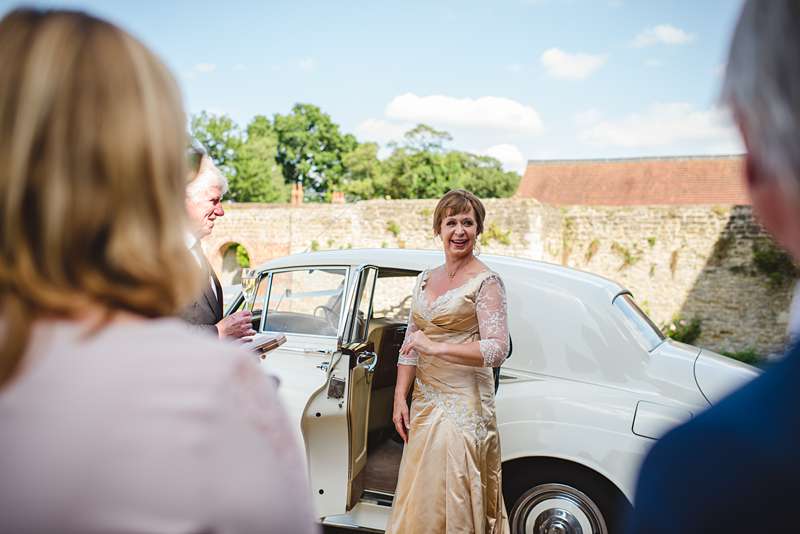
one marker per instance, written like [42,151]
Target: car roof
[419,260]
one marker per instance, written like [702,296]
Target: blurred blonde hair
[92,177]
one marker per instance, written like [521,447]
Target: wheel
[559,497]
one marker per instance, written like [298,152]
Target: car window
[306,301]
[392,300]
[234,302]
[648,335]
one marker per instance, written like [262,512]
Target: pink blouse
[146,427]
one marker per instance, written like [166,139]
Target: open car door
[310,305]
[363,360]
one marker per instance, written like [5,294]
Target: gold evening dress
[449,478]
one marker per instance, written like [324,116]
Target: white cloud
[664,125]
[489,112]
[205,67]
[509,155]
[306,64]
[381,131]
[587,117]
[662,34]
[563,65]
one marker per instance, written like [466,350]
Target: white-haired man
[203,205]
[736,467]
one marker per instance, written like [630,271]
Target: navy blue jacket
[735,468]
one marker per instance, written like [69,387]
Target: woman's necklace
[452,274]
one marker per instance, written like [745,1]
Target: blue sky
[517,79]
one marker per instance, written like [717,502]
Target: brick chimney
[297,194]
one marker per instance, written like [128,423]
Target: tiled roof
[636,181]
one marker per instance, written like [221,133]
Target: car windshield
[646,333]
[306,301]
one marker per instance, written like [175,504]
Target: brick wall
[692,261]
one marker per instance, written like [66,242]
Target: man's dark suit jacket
[206,311]
[735,468]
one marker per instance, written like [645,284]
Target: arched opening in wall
[234,258]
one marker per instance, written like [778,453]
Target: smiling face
[459,232]
[204,204]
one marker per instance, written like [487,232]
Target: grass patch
[393,228]
[629,258]
[775,263]
[683,330]
[495,233]
[748,356]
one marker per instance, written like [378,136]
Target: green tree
[311,148]
[422,168]
[363,171]
[424,138]
[484,176]
[221,137]
[258,177]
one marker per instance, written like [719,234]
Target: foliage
[314,245]
[651,241]
[311,148]
[247,159]
[774,262]
[673,262]
[258,176]
[220,136]
[628,258]
[306,146]
[495,233]
[392,228]
[591,250]
[686,331]
[748,356]
[242,257]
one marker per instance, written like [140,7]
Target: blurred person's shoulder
[738,455]
[146,353]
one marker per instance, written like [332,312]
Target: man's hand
[236,325]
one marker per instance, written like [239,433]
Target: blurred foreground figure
[736,467]
[113,418]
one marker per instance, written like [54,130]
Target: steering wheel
[328,315]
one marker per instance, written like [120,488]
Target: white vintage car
[589,386]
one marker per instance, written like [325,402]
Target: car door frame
[363,359]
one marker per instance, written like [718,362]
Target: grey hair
[762,85]
[209,176]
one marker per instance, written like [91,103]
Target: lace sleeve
[411,359]
[411,327]
[492,311]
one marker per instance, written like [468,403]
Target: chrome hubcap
[556,509]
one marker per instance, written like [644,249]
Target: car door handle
[368,360]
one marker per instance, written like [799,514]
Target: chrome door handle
[367,360]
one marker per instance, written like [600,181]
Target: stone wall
[692,261]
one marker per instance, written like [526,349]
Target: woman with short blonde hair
[113,417]
[457,333]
